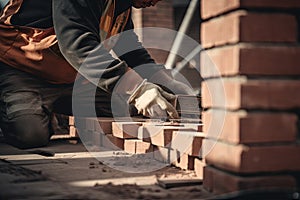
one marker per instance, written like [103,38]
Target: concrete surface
[73,173]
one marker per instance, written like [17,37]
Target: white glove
[151,101]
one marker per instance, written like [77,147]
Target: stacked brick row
[171,143]
[65,130]
[72,129]
[251,68]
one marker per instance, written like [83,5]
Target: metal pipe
[181,32]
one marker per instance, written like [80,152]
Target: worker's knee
[28,131]
[31,138]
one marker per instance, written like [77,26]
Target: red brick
[187,105]
[61,136]
[80,123]
[85,123]
[242,26]
[104,125]
[137,146]
[160,16]
[185,162]
[250,127]
[163,9]
[194,126]
[71,121]
[166,154]
[239,93]
[88,137]
[162,154]
[212,8]
[96,138]
[160,135]
[293,4]
[252,159]
[130,145]
[159,56]
[125,130]
[90,124]
[112,143]
[220,182]
[196,146]
[250,60]
[188,142]
[73,131]
[199,167]
[143,147]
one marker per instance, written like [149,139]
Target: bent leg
[25,111]
[27,131]
[24,122]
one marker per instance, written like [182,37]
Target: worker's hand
[152,101]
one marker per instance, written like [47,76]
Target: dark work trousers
[27,104]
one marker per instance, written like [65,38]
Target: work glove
[152,101]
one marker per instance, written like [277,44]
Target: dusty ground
[73,173]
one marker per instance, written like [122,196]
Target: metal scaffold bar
[181,32]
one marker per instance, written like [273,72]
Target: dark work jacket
[76,25]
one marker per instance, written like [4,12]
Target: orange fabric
[109,28]
[32,50]
[36,50]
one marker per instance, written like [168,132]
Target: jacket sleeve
[76,24]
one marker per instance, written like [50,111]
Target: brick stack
[255,47]
[65,131]
[72,130]
[97,133]
[169,142]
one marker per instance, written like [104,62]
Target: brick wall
[168,15]
[191,70]
[254,44]
[160,16]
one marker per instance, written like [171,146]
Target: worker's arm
[131,50]
[76,24]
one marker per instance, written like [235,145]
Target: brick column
[255,46]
